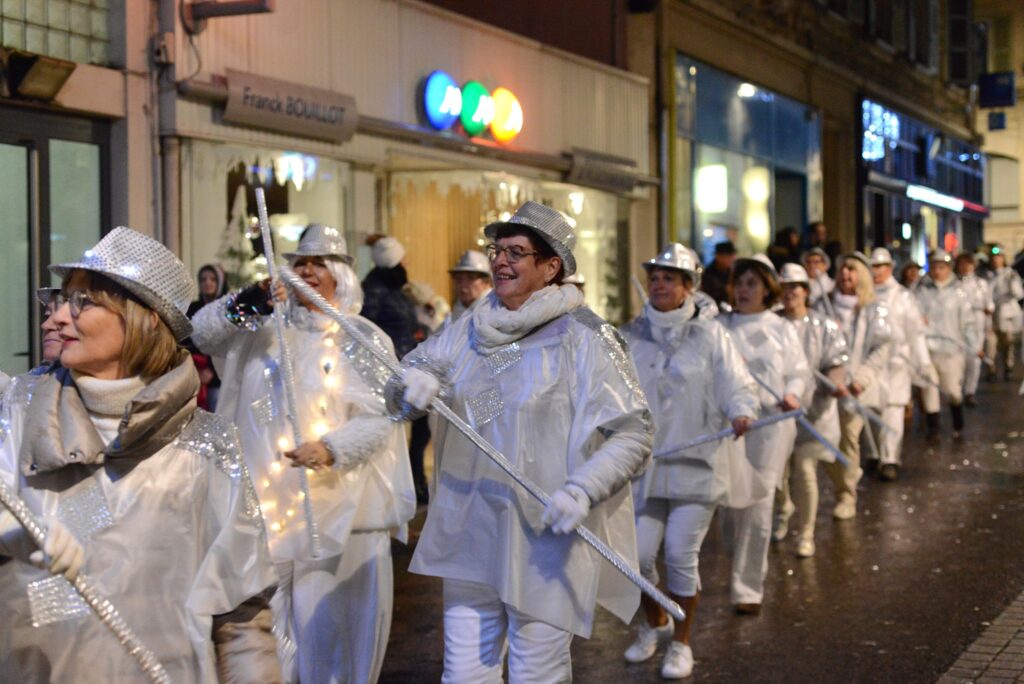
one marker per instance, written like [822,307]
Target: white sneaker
[678,662]
[845,509]
[782,516]
[647,640]
[805,549]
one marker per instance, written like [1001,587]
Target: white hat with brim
[856,256]
[472,261]
[880,256]
[45,295]
[678,257]
[819,252]
[549,224]
[761,260]
[146,269]
[794,274]
[940,255]
[322,241]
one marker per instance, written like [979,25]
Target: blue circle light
[442,100]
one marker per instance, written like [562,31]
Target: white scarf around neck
[496,326]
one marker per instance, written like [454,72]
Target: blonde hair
[865,282]
[150,349]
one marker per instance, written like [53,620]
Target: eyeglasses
[55,301]
[78,301]
[513,253]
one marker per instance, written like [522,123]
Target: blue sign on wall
[997,121]
[442,100]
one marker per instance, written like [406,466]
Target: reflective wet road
[894,595]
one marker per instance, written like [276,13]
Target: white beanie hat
[387,252]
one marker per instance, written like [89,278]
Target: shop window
[732,201]
[76,30]
[219,221]
[438,215]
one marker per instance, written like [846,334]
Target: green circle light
[477,108]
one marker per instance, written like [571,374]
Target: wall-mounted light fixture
[195,14]
[36,76]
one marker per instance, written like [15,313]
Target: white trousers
[972,374]
[951,380]
[800,486]
[890,442]
[333,616]
[683,526]
[478,630]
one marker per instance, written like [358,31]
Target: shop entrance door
[790,202]
[53,180]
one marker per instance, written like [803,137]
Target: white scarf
[496,326]
[664,323]
[106,400]
[846,308]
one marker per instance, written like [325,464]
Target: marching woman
[864,324]
[775,359]
[696,383]
[332,612]
[825,350]
[1007,291]
[109,449]
[552,387]
[979,297]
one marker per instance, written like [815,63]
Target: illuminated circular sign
[442,100]
[477,108]
[508,115]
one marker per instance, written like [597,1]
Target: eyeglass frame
[77,300]
[510,256]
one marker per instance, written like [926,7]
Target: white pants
[890,442]
[951,380]
[683,525]
[479,628]
[334,614]
[972,374]
[800,486]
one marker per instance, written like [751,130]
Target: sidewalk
[997,657]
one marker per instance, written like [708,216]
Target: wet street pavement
[897,594]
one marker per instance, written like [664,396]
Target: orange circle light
[508,115]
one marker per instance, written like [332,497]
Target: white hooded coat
[952,328]
[1007,291]
[909,354]
[825,349]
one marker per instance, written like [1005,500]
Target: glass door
[15,264]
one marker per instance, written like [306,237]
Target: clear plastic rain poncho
[339,389]
[825,349]
[562,403]
[696,383]
[1007,291]
[952,329]
[909,354]
[868,336]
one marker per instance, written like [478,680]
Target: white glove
[567,509]
[61,553]
[420,387]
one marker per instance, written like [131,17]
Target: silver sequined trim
[214,437]
[485,407]
[53,600]
[263,411]
[373,372]
[503,359]
[85,512]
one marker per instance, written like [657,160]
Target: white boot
[678,661]
[648,639]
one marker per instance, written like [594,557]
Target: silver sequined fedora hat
[472,261]
[549,224]
[679,257]
[145,268]
[323,241]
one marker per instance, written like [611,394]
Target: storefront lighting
[477,108]
[929,196]
[907,231]
[711,187]
[746,90]
[756,181]
[576,202]
[508,115]
[442,100]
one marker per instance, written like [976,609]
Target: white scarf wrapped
[496,326]
[664,323]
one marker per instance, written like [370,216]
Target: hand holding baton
[868,412]
[489,450]
[675,453]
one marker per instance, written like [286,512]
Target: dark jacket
[385,304]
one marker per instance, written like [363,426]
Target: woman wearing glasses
[551,386]
[108,447]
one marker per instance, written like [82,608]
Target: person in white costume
[817,264]
[825,349]
[952,331]
[908,359]
[863,322]
[552,387]
[979,296]
[1007,322]
[332,613]
[773,354]
[695,382]
[109,447]
[471,277]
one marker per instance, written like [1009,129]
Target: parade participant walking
[471,277]
[863,321]
[951,332]
[908,358]
[817,264]
[695,382]
[775,358]
[1007,291]
[979,297]
[109,444]
[551,386]
[825,349]
[335,609]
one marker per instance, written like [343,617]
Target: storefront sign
[444,103]
[925,194]
[289,108]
